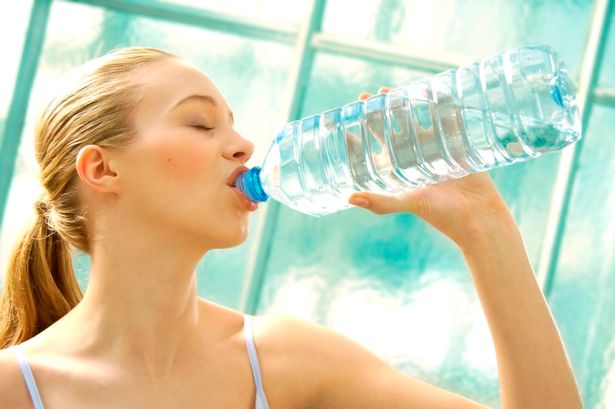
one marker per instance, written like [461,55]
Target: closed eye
[201,127]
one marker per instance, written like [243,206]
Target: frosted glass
[13,26]
[582,297]
[607,70]
[464,30]
[282,12]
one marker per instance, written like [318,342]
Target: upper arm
[13,391]
[347,375]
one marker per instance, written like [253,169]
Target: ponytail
[93,107]
[39,286]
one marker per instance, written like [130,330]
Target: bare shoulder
[13,391]
[293,334]
[328,370]
[298,357]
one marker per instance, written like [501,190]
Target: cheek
[181,158]
[173,169]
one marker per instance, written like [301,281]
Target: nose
[241,149]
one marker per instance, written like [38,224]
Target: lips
[247,203]
[243,199]
[233,177]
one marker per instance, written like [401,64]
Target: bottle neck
[251,185]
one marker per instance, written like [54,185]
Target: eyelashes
[202,128]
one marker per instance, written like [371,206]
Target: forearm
[533,366]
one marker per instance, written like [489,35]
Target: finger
[383,90]
[364,95]
[384,204]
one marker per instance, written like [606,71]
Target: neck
[141,304]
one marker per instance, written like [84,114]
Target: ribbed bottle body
[492,113]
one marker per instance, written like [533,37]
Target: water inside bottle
[402,152]
[406,151]
[489,114]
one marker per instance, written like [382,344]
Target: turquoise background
[391,282]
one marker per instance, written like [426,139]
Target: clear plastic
[492,113]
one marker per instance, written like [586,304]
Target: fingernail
[359,201]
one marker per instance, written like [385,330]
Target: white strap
[261,399]
[28,377]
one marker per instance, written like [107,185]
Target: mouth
[245,202]
[232,183]
[232,179]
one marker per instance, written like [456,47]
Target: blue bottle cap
[250,184]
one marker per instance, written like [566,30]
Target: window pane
[249,73]
[607,70]
[582,297]
[279,11]
[338,80]
[13,25]
[360,273]
[459,31]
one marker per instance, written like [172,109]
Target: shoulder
[305,357]
[291,333]
[13,391]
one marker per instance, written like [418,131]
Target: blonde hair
[40,287]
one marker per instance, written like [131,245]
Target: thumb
[381,203]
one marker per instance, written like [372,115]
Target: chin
[230,243]
[233,236]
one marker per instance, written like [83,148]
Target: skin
[142,337]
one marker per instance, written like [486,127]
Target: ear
[96,169]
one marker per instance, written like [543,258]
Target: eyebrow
[206,99]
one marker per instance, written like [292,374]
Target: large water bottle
[494,112]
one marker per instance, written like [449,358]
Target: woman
[138,159]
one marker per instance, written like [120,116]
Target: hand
[459,208]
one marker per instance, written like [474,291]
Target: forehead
[165,83]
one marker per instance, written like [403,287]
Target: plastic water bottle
[495,112]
